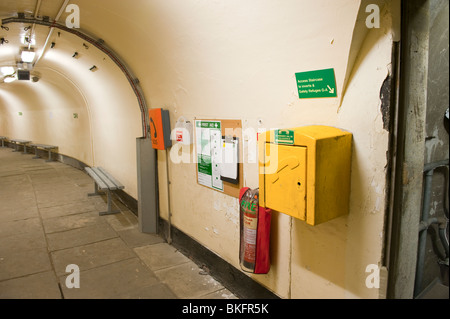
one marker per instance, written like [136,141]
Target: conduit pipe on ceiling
[134,82]
[36,12]
[61,10]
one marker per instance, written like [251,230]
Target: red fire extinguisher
[254,233]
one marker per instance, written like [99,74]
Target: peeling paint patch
[217,205]
[432,143]
[386,98]
[378,204]
[377,187]
[433,209]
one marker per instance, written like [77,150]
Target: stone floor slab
[22,263]
[187,281]
[134,238]
[22,242]
[50,200]
[219,294]
[73,208]
[123,279]
[122,221]
[39,286]
[16,227]
[161,256]
[13,178]
[14,202]
[92,255]
[80,236]
[18,213]
[58,224]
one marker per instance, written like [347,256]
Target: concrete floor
[48,222]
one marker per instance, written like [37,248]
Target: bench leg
[24,149]
[109,201]
[95,193]
[15,149]
[3,143]
[49,156]
[109,211]
[35,153]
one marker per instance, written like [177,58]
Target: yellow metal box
[305,172]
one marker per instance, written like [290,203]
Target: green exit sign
[316,84]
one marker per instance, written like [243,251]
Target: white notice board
[208,138]
[229,167]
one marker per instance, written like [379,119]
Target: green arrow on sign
[316,84]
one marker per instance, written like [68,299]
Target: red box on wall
[160,129]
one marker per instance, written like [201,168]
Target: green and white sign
[209,153]
[316,84]
[284,137]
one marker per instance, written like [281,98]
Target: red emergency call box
[160,129]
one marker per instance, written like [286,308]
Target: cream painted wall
[47,109]
[241,65]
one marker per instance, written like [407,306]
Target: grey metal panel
[411,136]
[431,264]
[166,127]
[423,99]
[147,186]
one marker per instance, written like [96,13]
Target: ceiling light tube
[9,79]
[7,70]
[28,55]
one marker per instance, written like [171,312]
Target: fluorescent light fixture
[9,79]
[7,70]
[28,56]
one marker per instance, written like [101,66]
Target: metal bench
[46,147]
[104,182]
[3,139]
[18,142]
